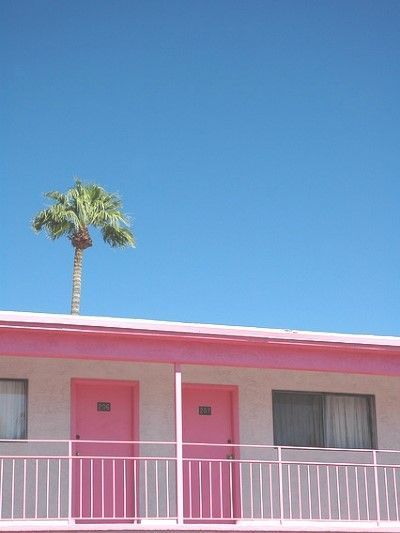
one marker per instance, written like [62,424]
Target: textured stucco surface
[50,394]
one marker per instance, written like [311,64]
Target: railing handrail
[213,444]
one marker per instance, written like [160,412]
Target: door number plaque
[205,410]
[103,406]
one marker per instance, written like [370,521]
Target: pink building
[120,424]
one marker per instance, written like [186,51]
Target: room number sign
[205,410]
[103,406]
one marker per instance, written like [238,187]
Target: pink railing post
[179,444]
[378,508]
[70,520]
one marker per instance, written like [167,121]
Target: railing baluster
[366,492]
[59,490]
[146,493]
[47,487]
[91,489]
[319,493]
[271,501]
[280,471]
[346,469]
[395,470]
[357,493]
[102,489]
[1,487]
[221,508]
[12,488]
[290,489]
[386,493]
[167,488]
[395,493]
[241,489]
[261,491]
[190,489]
[135,488]
[36,486]
[114,502]
[124,482]
[377,497]
[70,488]
[251,491]
[200,490]
[24,492]
[230,489]
[299,489]
[338,493]
[81,488]
[157,490]
[210,491]
[328,481]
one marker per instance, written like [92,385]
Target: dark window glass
[323,420]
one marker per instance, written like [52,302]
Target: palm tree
[72,214]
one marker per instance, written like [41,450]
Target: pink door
[208,473]
[103,473]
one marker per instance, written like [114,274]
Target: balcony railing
[140,482]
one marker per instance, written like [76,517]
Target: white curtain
[347,421]
[12,409]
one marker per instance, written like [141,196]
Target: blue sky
[255,144]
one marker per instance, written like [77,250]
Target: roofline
[61,321]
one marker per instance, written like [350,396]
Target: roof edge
[159,326]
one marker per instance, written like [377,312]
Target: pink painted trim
[170,343]
[108,325]
[72,345]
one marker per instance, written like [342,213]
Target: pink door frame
[135,412]
[234,390]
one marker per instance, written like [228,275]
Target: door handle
[77,453]
[230,456]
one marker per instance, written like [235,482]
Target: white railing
[95,481]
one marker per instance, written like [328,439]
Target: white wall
[50,382]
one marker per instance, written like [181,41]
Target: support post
[178,441]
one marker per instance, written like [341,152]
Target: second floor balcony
[57,484]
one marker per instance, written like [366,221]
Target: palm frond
[53,222]
[118,237]
[57,197]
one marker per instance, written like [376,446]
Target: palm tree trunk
[76,281]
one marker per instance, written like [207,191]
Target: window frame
[25,429]
[323,394]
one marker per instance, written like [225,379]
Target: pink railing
[60,480]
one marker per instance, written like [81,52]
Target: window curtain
[347,421]
[298,419]
[12,409]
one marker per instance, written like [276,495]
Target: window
[323,419]
[13,400]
